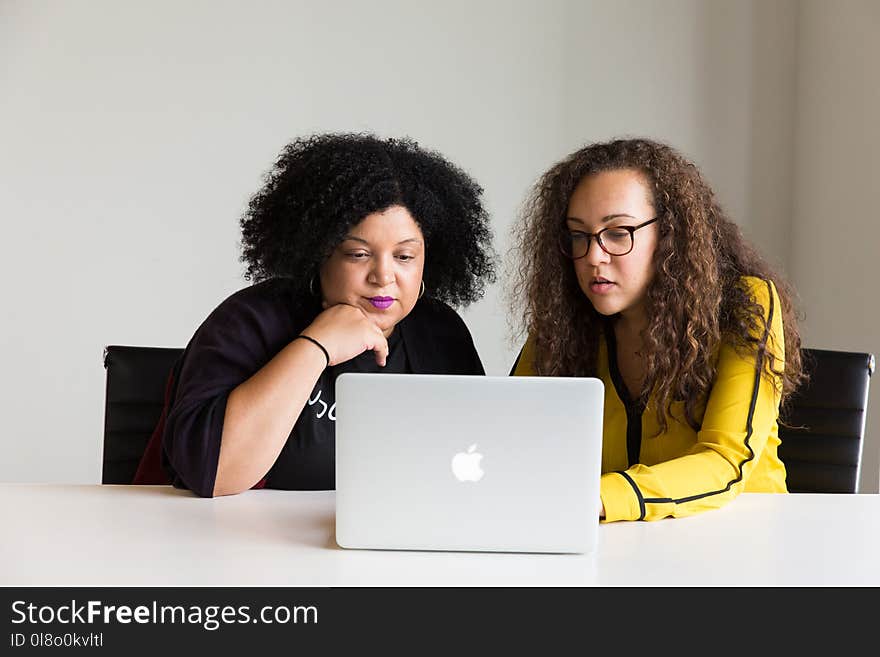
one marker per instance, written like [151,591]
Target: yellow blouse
[681,471]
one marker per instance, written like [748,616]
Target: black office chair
[136,378]
[823,426]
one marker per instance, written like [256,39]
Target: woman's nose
[382,273]
[595,253]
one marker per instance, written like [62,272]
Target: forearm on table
[260,414]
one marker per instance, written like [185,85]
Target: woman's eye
[357,255]
[405,257]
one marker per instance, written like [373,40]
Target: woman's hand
[346,332]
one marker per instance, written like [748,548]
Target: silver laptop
[471,463]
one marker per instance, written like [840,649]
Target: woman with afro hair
[632,273]
[357,248]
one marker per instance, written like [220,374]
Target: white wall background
[835,231]
[133,134]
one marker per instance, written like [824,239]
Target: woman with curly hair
[357,248]
[632,273]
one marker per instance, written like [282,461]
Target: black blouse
[243,334]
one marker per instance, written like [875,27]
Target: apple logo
[466,465]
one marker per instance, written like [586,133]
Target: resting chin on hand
[346,332]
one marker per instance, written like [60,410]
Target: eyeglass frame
[630,229]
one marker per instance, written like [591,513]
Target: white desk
[59,535]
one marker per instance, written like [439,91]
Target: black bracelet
[320,346]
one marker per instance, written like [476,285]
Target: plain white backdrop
[133,134]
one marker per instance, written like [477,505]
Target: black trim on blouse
[634,408]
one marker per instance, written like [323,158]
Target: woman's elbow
[231,484]
[222,490]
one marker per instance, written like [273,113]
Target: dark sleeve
[458,345]
[472,364]
[235,341]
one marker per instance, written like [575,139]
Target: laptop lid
[477,463]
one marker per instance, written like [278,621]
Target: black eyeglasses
[614,240]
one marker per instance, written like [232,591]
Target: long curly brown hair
[695,301]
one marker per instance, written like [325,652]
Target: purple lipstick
[382,302]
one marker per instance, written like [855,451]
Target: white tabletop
[93,535]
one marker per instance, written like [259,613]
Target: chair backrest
[823,425]
[136,378]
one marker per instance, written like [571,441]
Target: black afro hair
[321,186]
